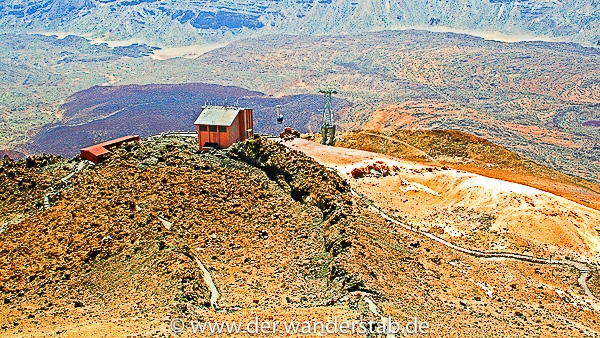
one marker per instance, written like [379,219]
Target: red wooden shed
[220,127]
[97,153]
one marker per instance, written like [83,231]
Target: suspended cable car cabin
[279,115]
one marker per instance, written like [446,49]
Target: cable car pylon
[328,126]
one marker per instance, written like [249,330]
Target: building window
[222,129]
[212,128]
[203,128]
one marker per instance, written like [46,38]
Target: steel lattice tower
[328,127]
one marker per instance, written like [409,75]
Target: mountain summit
[159,232]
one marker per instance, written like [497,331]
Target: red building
[220,127]
[97,153]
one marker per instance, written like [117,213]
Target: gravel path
[584,269]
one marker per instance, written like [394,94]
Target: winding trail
[403,143]
[584,269]
[114,113]
[64,181]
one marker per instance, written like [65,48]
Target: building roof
[97,150]
[119,141]
[102,148]
[217,116]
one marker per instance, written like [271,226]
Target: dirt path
[584,269]
[111,114]
[404,143]
[64,181]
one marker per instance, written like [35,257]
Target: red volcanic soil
[15,155]
[591,124]
[101,113]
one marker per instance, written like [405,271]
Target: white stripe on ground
[214,293]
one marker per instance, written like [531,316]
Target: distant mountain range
[177,23]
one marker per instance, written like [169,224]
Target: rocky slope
[117,253]
[103,247]
[184,23]
[463,207]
